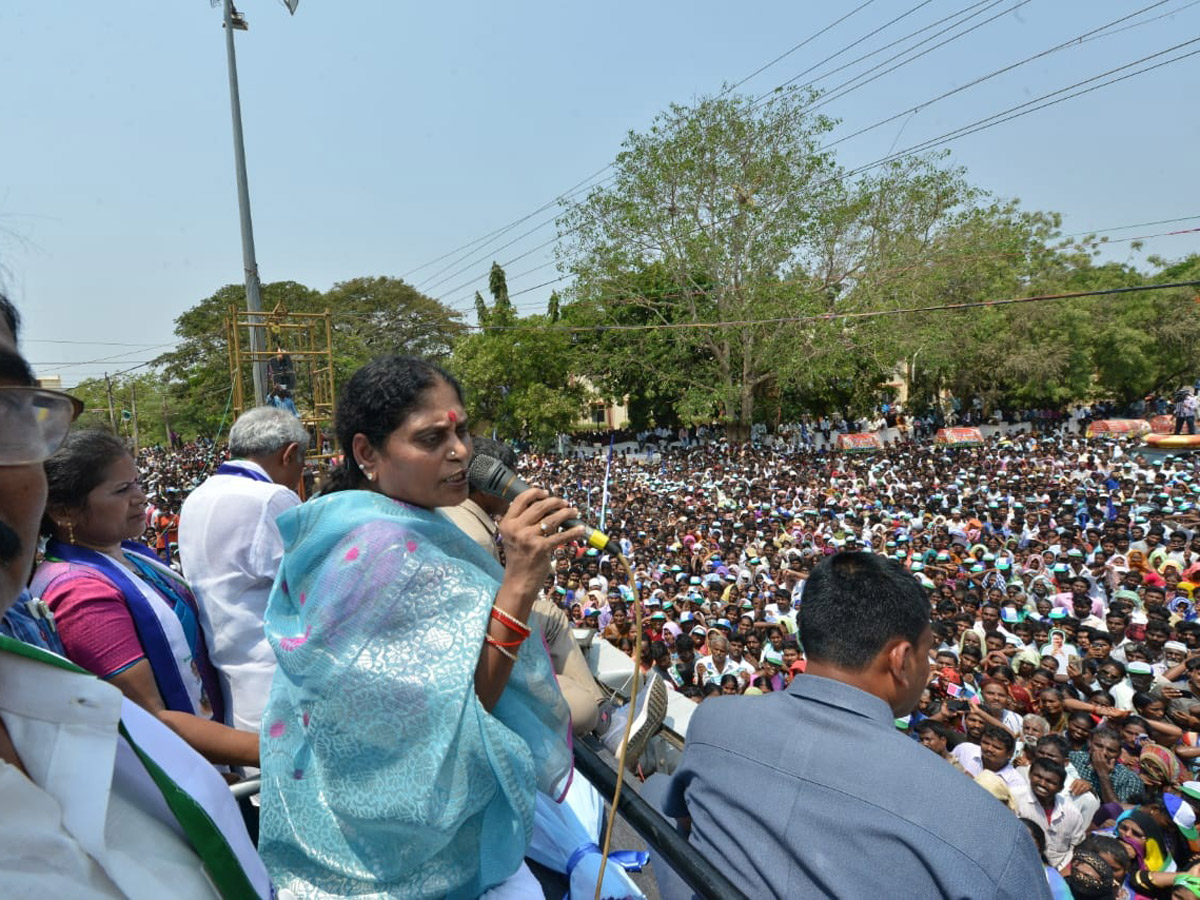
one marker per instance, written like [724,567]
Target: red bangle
[495,643]
[511,622]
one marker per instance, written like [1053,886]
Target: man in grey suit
[812,791]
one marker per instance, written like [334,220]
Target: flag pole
[607,474]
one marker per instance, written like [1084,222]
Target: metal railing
[667,844]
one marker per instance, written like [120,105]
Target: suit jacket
[813,792]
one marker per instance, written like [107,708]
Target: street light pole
[253,294]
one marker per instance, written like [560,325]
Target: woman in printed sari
[410,722]
[122,614]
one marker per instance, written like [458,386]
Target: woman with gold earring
[122,614]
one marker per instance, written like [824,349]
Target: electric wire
[1029,107]
[579,186]
[856,314]
[971,128]
[833,95]
[1006,115]
[986,4]
[921,259]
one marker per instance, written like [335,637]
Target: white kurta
[230,548]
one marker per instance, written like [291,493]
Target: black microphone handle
[504,483]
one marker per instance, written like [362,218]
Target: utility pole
[112,415]
[167,421]
[249,263]
[133,413]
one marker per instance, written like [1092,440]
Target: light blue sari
[383,775]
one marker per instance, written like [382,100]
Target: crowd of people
[1061,575]
[1026,610]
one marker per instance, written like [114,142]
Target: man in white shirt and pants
[230,548]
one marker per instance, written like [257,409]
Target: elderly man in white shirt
[230,548]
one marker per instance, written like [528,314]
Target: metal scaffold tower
[304,369]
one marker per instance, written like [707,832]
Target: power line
[987,4]
[804,43]
[987,122]
[426,285]
[836,316]
[102,359]
[503,229]
[1065,237]
[833,95]
[921,261]
[963,131]
[1095,32]
[1170,12]
[978,125]
[85,343]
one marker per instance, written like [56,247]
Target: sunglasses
[33,423]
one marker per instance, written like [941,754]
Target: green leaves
[517,374]
[372,316]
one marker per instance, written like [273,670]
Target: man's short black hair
[855,604]
[1057,740]
[486,446]
[932,725]
[1003,735]
[1052,767]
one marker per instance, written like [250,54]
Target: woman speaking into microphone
[410,721]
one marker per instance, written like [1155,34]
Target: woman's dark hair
[75,468]
[1039,837]
[1141,699]
[730,679]
[375,402]
[711,690]
[1102,844]
[12,319]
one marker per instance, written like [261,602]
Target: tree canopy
[734,270]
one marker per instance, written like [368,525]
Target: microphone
[491,476]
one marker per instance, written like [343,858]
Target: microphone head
[487,474]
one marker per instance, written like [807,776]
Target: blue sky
[382,134]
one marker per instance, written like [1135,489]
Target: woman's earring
[70,532]
[370,477]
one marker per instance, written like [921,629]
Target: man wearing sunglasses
[33,422]
[100,799]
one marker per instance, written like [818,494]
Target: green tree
[142,394]
[371,316]
[516,373]
[198,367]
[375,316]
[759,243]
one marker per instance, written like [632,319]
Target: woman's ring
[542,528]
